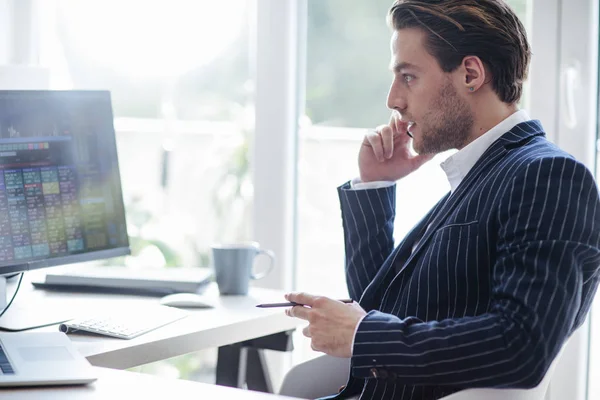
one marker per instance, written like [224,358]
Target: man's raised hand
[385,153]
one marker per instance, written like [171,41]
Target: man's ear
[474,73]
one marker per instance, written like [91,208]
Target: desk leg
[244,363]
[231,365]
[257,372]
[238,365]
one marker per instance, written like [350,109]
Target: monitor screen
[60,191]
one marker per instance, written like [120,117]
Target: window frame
[553,21]
[576,82]
[279,70]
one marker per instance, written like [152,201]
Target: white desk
[234,319]
[113,384]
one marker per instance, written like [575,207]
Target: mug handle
[269,254]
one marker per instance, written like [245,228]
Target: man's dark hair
[488,29]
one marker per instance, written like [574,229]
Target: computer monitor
[60,192]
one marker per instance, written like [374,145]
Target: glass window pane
[180,79]
[348,50]
[347,58]
[347,83]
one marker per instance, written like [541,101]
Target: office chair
[325,375]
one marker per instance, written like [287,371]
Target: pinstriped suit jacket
[504,271]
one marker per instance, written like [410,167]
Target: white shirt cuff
[354,336]
[357,184]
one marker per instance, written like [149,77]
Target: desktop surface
[112,384]
[233,319]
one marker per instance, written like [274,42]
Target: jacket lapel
[402,251]
[516,137]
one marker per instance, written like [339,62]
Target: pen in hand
[292,304]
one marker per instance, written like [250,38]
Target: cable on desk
[13,297]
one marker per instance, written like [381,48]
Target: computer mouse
[185,300]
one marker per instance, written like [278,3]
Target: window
[594,352]
[179,72]
[576,116]
[180,79]
[346,84]
[347,81]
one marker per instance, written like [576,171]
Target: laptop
[40,359]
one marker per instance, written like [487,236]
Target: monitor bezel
[95,255]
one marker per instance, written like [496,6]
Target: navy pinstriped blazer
[504,271]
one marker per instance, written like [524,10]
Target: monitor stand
[22,316]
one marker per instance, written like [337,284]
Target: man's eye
[408,78]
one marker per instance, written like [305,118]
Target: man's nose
[397,104]
[396,100]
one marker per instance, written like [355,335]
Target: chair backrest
[319,377]
[324,375]
[536,393]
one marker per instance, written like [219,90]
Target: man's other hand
[385,153]
[331,323]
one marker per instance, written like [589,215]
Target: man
[486,288]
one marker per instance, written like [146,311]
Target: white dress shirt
[460,163]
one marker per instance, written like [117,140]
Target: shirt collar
[460,163]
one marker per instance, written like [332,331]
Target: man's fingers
[387,139]
[301,298]
[396,123]
[400,127]
[374,140]
[306,331]
[299,312]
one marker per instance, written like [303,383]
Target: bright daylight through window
[346,93]
[181,75]
[179,72]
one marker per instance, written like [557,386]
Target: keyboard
[5,367]
[125,324]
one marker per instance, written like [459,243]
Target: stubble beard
[447,125]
